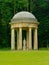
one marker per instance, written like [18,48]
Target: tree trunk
[47,44]
[14,7]
[29,5]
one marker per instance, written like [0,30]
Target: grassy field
[24,57]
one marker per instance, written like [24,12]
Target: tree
[39,8]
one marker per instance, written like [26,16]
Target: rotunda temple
[26,25]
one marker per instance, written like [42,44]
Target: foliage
[39,8]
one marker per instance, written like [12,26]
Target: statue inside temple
[24,44]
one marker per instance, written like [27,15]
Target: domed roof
[23,16]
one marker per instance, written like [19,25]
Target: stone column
[17,39]
[35,39]
[12,39]
[30,39]
[27,39]
[20,38]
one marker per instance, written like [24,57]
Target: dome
[23,16]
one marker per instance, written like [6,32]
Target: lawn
[40,57]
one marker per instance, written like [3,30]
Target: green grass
[40,57]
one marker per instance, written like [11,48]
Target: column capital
[20,27]
[12,28]
[30,27]
[36,27]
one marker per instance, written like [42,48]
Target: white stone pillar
[27,39]
[35,39]
[30,38]
[12,39]
[20,38]
[17,39]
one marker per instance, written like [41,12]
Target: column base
[35,49]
